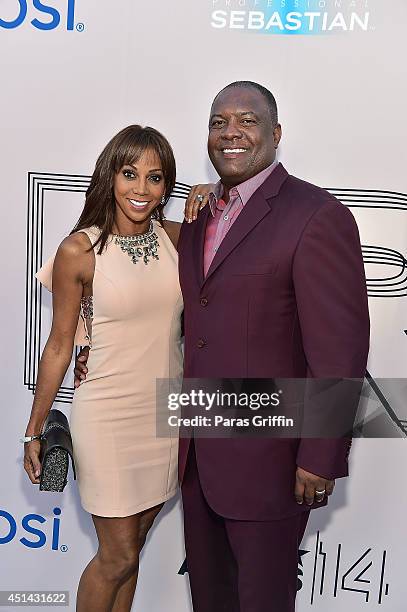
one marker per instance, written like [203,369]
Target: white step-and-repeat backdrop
[75,72]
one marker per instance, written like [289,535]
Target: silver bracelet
[29,439]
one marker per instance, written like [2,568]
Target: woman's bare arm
[73,270]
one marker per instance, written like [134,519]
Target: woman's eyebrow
[152,170]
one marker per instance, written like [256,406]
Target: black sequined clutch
[56,448]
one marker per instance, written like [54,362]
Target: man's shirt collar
[244,191]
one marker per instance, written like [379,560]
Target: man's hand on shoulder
[310,488]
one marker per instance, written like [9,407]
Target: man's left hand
[310,488]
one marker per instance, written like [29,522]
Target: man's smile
[233,152]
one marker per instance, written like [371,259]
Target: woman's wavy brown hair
[124,148]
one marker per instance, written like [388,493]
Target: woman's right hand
[32,464]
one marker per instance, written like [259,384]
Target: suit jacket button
[201,343]
[203,301]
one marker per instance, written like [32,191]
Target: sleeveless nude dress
[123,467]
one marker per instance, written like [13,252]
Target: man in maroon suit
[273,284]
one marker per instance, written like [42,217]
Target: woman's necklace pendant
[141,246]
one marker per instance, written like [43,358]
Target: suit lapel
[258,206]
[253,212]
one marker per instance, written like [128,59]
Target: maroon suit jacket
[285,296]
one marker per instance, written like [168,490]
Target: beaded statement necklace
[140,246]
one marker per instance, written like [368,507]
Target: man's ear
[277,132]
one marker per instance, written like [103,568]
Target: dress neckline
[134,237]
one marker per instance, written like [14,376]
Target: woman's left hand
[198,197]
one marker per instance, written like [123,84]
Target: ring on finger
[199,198]
[320,493]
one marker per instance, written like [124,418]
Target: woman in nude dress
[115,282]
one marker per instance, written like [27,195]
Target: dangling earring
[155,215]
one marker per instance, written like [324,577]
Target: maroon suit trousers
[238,566]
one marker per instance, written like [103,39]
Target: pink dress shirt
[224,215]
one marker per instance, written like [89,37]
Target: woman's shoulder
[75,245]
[75,258]
[172,229]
